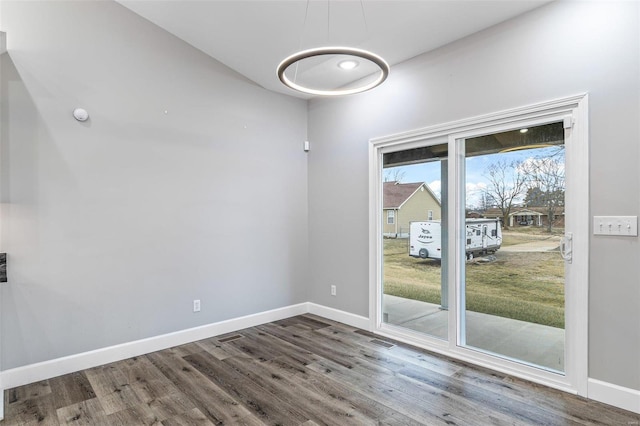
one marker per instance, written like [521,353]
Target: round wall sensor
[80,114]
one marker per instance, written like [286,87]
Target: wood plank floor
[304,370]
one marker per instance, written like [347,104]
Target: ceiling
[253,36]
[542,136]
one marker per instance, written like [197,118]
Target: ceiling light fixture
[320,51]
[524,130]
[374,71]
[348,64]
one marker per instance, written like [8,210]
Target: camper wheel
[470,256]
[423,253]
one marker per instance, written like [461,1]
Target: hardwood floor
[304,370]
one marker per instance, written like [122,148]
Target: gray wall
[559,50]
[114,226]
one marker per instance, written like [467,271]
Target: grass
[525,234]
[524,286]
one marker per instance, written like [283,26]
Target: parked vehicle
[482,236]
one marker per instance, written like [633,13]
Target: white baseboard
[340,316]
[618,396]
[69,364]
[56,367]
[1,394]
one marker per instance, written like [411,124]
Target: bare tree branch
[394,175]
[506,184]
[546,184]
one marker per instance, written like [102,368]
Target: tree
[546,184]
[538,198]
[534,197]
[483,203]
[505,186]
[393,175]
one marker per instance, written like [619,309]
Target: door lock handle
[566,247]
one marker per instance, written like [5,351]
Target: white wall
[115,225]
[559,50]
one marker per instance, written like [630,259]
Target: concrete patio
[532,343]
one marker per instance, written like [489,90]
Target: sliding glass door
[512,288]
[414,235]
[480,240]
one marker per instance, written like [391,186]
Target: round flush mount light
[348,64]
[355,56]
[80,114]
[524,130]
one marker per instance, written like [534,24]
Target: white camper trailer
[482,236]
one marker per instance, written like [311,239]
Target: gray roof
[396,193]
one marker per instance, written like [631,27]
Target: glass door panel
[512,291]
[414,228]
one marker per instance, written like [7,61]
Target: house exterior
[404,203]
[529,216]
[472,214]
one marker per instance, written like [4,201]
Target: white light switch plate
[626,226]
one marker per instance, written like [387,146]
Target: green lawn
[523,286]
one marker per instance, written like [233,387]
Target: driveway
[546,244]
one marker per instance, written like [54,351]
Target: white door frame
[3,50]
[4,55]
[573,111]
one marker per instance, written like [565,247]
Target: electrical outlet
[333,290]
[196,305]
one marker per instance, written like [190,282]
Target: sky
[476,170]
